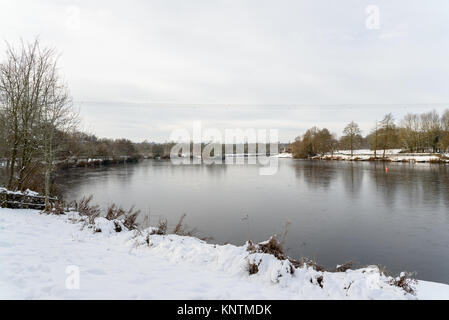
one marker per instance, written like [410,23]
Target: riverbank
[94,162]
[394,155]
[37,250]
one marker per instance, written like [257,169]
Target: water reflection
[352,179]
[316,174]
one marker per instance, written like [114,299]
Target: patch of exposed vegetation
[86,209]
[161,229]
[405,281]
[253,268]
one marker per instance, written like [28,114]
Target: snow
[393,155]
[36,250]
[284,155]
[369,152]
[27,192]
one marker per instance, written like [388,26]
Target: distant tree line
[426,132]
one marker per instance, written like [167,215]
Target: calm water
[338,211]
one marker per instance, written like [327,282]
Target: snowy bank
[284,155]
[27,192]
[393,155]
[36,251]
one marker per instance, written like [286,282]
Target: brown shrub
[114,212]
[250,246]
[253,268]
[405,281]
[84,208]
[305,262]
[57,207]
[130,218]
[345,266]
[273,247]
[161,228]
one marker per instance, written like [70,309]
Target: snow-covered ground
[27,192]
[284,155]
[238,155]
[394,155]
[36,251]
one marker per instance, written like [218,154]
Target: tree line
[416,133]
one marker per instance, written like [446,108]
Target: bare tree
[409,133]
[352,137]
[430,127]
[388,133]
[3,147]
[324,140]
[21,85]
[373,138]
[444,143]
[35,107]
[56,118]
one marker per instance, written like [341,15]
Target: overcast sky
[140,69]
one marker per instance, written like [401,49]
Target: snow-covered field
[393,155]
[36,251]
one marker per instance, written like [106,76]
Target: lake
[338,211]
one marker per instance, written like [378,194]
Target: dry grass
[114,212]
[405,281]
[181,229]
[161,228]
[253,268]
[273,247]
[130,218]
[345,266]
[306,262]
[57,208]
[84,208]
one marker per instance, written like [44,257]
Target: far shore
[394,155]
